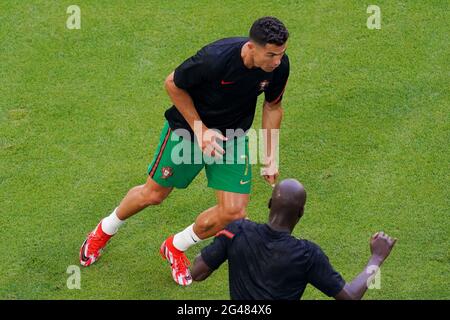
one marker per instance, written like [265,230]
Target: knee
[233,212]
[151,197]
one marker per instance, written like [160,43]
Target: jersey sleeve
[217,252]
[194,70]
[322,275]
[275,90]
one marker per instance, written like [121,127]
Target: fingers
[266,177]
[219,136]
[217,148]
[392,241]
[379,234]
[211,145]
[211,152]
[213,149]
[386,237]
[271,179]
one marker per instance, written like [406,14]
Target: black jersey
[223,89]
[265,264]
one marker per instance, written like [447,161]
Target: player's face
[268,57]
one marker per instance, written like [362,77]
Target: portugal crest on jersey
[166,172]
[263,85]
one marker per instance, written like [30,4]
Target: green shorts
[178,161]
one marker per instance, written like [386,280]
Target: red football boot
[178,262]
[92,247]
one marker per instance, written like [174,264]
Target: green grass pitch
[366,129]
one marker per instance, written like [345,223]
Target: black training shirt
[265,264]
[223,89]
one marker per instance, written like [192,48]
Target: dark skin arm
[200,270]
[380,246]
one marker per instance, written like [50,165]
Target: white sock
[186,238]
[111,224]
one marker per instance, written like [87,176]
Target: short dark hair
[269,30]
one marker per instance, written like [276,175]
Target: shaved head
[287,204]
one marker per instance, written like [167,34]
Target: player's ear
[300,214]
[251,45]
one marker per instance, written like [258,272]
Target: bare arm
[358,287]
[381,246]
[183,102]
[271,121]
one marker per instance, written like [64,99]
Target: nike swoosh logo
[226,82]
[83,249]
[245,182]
